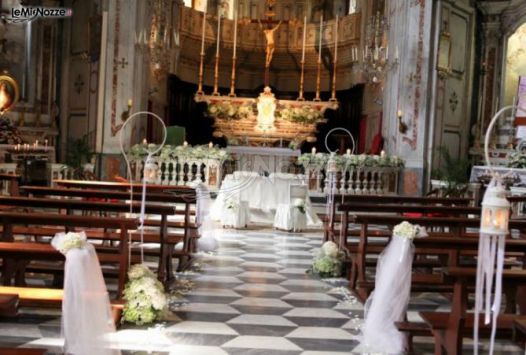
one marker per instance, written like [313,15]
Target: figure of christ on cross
[269,36]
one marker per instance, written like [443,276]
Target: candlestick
[333,96]
[382,154]
[234,57]
[321,35]
[144,141]
[45,143]
[218,41]
[318,77]
[304,38]
[313,151]
[202,54]
[210,145]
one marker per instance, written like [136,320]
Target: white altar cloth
[260,159]
[262,193]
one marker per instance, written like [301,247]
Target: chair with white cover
[235,212]
[292,216]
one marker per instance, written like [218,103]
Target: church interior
[262,177]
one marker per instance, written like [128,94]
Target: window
[352,6]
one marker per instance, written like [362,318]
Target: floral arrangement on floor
[140,151]
[328,261]
[319,160]
[517,161]
[304,114]
[409,231]
[144,295]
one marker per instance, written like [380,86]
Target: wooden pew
[330,221]
[122,186]
[188,227]
[12,182]
[449,328]
[29,250]
[457,226]
[70,206]
[22,351]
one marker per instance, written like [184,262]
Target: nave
[252,296]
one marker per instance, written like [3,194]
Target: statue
[269,36]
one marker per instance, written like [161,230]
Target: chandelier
[376,61]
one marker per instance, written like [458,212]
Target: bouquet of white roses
[329,261]
[144,295]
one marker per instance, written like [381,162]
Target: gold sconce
[126,113]
[9,93]
[402,126]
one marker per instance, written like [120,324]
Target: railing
[60,172]
[356,180]
[180,171]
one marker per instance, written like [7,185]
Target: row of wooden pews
[444,261]
[33,215]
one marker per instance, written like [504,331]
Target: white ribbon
[490,265]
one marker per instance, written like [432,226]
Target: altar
[262,159]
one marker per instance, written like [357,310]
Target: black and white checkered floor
[252,296]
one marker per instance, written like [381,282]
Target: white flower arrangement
[181,152]
[409,231]
[71,240]
[517,161]
[328,261]
[144,295]
[231,205]
[319,160]
[300,205]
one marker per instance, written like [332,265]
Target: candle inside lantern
[210,145]
[144,141]
[313,151]
[348,152]
[185,143]
[382,154]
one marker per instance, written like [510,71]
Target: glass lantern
[150,170]
[495,211]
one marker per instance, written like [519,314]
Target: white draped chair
[292,216]
[235,212]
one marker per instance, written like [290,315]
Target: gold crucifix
[271,44]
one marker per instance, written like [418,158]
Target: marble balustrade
[182,171]
[355,180]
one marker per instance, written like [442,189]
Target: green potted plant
[451,179]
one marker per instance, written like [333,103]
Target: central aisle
[254,297]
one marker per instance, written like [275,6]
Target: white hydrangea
[408,230]
[139,270]
[330,249]
[70,241]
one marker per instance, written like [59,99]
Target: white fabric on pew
[87,322]
[388,302]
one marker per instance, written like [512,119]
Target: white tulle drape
[207,227]
[87,322]
[388,303]
[490,263]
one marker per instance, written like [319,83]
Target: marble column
[406,88]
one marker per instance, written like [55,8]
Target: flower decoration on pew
[328,261]
[70,240]
[299,204]
[145,297]
[409,231]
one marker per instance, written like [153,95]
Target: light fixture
[402,126]
[150,170]
[9,93]
[126,113]
[492,240]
